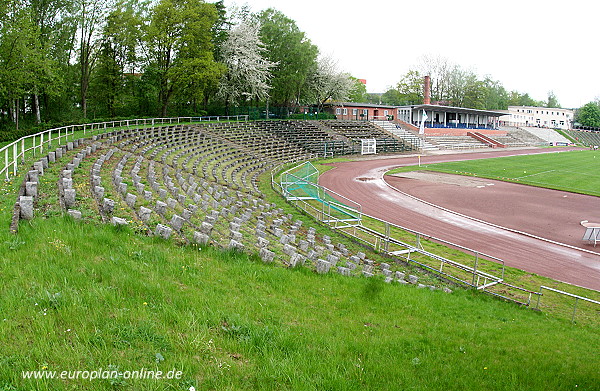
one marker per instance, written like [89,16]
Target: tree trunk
[36,107]
[84,88]
[17,101]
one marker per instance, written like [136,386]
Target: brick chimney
[427,91]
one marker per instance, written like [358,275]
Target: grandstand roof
[451,109]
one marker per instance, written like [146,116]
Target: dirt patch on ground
[441,178]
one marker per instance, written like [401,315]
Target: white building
[541,117]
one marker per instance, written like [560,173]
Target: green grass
[81,297]
[575,171]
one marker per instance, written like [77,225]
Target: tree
[589,115]
[294,54]
[23,66]
[517,99]
[248,71]
[410,88]
[496,97]
[179,42]
[90,15]
[552,100]
[56,31]
[358,93]
[328,83]
[118,60]
[392,97]
[440,70]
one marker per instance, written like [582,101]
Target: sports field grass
[576,171]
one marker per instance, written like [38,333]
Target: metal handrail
[41,139]
[576,297]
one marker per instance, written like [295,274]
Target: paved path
[363,181]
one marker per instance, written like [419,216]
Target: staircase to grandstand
[521,137]
[457,142]
[409,137]
[356,131]
[548,135]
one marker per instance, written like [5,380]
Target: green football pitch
[576,171]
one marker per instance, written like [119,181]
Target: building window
[365,111]
[354,111]
[345,111]
[338,111]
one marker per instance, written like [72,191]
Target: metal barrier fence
[387,241]
[35,143]
[576,297]
[384,241]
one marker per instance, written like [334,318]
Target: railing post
[537,306]
[387,237]
[14,159]
[23,151]
[6,162]
[475,266]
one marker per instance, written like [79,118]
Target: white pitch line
[539,173]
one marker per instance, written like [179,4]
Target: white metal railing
[383,241]
[36,143]
[576,297]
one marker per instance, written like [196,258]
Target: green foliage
[295,55]
[358,94]
[589,115]
[515,98]
[552,100]
[179,40]
[410,88]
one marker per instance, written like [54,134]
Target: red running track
[558,220]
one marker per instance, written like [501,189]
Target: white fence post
[6,162]
[15,149]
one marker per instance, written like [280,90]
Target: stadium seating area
[194,184]
[588,138]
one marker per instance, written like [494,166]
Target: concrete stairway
[548,135]
[457,142]
[406,135]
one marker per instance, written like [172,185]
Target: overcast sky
[532,46]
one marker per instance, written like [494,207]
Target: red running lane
[363,182]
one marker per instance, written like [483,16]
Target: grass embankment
[81,297]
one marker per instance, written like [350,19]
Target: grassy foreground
[82,297]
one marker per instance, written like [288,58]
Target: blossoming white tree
[248,71]
[328,83]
